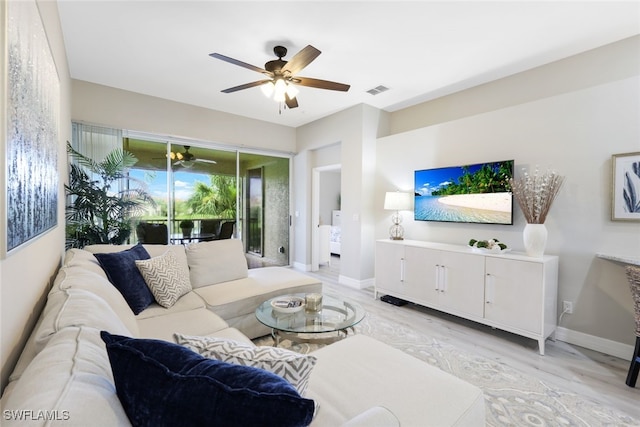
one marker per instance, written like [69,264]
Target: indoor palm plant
[97,211]
[535,194]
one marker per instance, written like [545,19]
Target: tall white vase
[535,239]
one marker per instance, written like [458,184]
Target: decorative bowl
[287,304]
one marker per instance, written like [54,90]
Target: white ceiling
[421,50]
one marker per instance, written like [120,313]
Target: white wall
[26,273]
[357,129]
[574,131]
[329,195]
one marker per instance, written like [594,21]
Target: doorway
[326,247]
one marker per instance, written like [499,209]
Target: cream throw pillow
[167,278]
[216,262]
[293,367]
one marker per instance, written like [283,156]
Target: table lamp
[397,201]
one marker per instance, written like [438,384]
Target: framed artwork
[625,205]
[32,127]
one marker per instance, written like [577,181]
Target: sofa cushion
[293,367]
[121,270]
[162,383]
[370,372]
[166,278]
[191,322]
[83,259]
[76,277]
[153,250]
[70,379]
[189,301]
[76,307]
[243,296]
[376,416]
[216,262]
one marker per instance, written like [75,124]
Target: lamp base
[396,232]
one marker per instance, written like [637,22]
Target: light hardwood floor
[575,369]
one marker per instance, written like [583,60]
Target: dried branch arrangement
[535,193]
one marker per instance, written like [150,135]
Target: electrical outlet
[567,307]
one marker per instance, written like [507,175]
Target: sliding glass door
[219,194]
[203,193]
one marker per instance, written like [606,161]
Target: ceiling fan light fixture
[292,91]
[280,90]
[268,89]
[187,164]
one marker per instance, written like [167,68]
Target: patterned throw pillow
[166,277]
[293,367]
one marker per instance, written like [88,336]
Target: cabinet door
[420,275]
[513,294]
[389,260]
[462,283]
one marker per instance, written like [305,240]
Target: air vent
[378,89]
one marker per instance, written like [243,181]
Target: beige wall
[121,109]
[572,116]
[614,62]
[26,273]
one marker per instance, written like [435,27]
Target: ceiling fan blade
[301,60]
[239,63]
[245,86]
[291,102]
[213,162]
[320,84]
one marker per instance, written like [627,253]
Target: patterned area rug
[512,398]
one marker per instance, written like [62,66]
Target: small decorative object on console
[491,245]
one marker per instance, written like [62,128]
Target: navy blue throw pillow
[160,383]
[122,272]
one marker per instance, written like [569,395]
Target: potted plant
[187,226]
[97,211]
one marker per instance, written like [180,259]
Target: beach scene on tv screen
[478,193]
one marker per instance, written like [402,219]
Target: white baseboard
[603,345]
[353,283]
[302,267]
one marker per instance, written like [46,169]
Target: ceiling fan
[187,159]
[283,75]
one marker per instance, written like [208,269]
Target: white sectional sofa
[64,376]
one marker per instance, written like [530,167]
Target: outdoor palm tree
[99,212]
[217,199]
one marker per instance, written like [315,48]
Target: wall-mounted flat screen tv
[478,193]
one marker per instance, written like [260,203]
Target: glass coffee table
[330,321]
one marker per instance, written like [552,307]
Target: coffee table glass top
[337,314]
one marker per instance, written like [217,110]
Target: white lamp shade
[292,91]
[268,89]
[280,89]
[397,201]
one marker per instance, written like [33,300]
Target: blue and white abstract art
[33,115]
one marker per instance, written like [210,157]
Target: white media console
[508,291]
